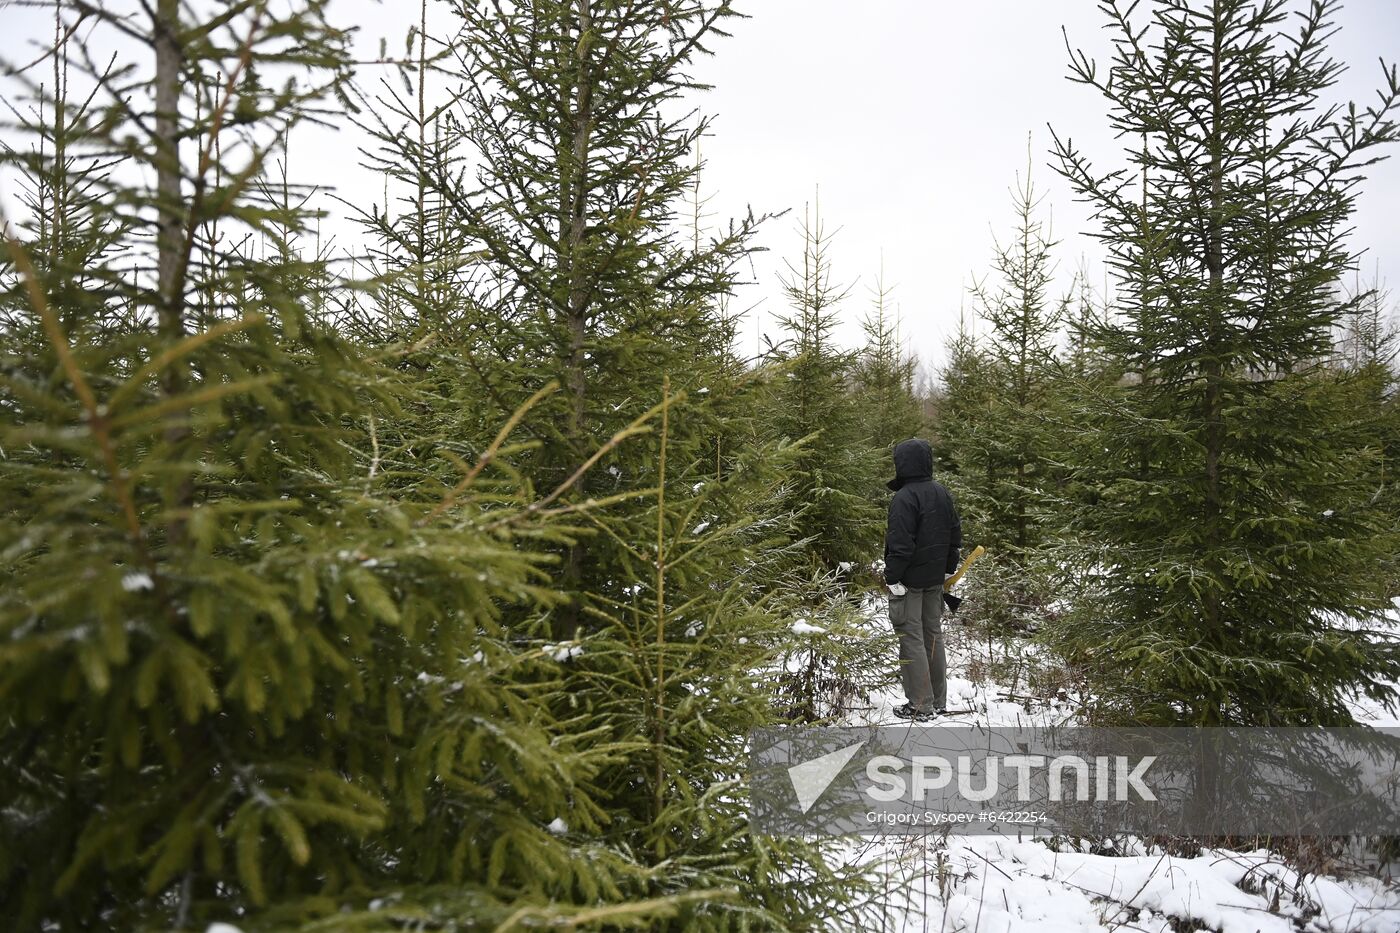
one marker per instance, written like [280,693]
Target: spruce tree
[964,392]
[811,404]
[1231,554]
[568,168]
[884,376]
[833,487]
[1025,322]
[1365,364]
[579,261]
[1003,424]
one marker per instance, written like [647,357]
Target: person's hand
[897,589]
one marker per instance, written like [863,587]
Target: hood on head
[913,460]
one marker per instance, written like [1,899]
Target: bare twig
[489,455]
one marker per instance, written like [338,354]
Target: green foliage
[283,555]
[884,379]
[1368,346]
[446,597]
[1229,543]
[1003,428]
[247,660]
[965,392]
[679,663]
[562,256]
[836,653]
[832,483]
[560,253]
[1004,394]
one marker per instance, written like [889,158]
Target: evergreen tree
[1014,455]
[811,404]
[429,300]
[573,257]
[964,392]
[1366,363]
[1004,428]
[884,376]
[1084,359]
[1367,334]
[564,175]
[1232,553]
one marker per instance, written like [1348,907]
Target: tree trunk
[169,232]
[575,202]
[1213,366]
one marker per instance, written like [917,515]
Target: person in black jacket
[922,541]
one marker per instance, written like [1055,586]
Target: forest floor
[941,883]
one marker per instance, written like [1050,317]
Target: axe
[953,602]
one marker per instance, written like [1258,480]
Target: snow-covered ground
[985,884]
[979,884]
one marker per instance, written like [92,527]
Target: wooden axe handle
[967,562]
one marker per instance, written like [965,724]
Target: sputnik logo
[811,778]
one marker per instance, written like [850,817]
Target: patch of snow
[135,582]
[565,651]
[803,627]
[450,687]
[558,826]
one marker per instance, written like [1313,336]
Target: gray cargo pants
[917,617]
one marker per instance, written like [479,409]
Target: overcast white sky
[912,116]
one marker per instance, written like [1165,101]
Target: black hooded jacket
[924,535]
